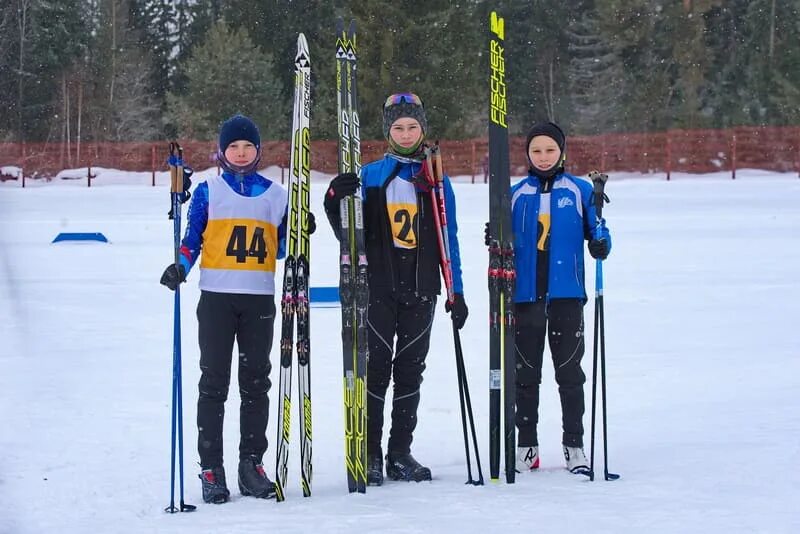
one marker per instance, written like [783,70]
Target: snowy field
[702,314]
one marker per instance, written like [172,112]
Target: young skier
[237,226]
[403,256]
[552,214]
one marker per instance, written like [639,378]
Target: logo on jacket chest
[563,202]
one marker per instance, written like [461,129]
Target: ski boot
[215,491]
[253,481]
[403,466]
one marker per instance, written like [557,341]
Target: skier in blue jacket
[552,214]
[237,228]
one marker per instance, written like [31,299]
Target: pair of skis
[353,289]
[295,293]
[502,273]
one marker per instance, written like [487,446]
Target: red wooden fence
[690,151]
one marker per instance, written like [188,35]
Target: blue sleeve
[452,236]
[282,236]
[197,219]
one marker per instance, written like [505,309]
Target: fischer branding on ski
[502,273]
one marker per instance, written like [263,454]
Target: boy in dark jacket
[403,256]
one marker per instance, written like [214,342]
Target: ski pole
[599,344]
[176,193]
[433,161]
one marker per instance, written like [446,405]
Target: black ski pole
[176,194]
[463,389]
[599,345]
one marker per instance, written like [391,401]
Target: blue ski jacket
[573,219]
[250,185]
[375,178]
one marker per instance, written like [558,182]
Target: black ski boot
[253,481]
[403,466]
[375,470]
[215,491]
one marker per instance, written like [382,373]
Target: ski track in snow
[702,305]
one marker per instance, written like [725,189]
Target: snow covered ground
[702,309]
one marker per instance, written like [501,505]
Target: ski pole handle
[599,182]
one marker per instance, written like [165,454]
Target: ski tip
[497,25]
[612,476]
[302,59]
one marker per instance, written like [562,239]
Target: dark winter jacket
[381,252]
[573,219]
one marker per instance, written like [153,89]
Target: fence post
[603,149]
[669,154]
[733,154]
[797,150]
[22,163]
[153,164]
[89,174]
[472,163]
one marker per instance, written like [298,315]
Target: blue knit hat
[238,128]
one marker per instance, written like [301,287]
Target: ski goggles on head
[399,98]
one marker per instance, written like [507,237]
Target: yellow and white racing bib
[401,207]
[543,236]
[240,242]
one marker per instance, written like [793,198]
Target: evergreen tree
[594,77]
[228,74]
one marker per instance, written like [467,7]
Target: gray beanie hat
[403,109]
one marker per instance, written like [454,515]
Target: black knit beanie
[238,128]
[554,132]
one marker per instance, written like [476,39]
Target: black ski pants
[562,323]
[399,338]
[250,320]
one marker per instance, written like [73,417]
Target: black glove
[487,235]
[312,223]
[187,184]
[458,310]
[598,248]
[173,276]
[341,186]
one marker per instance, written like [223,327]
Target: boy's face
[406,132]
[543,152]
[241,153]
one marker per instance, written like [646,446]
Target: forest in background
[136,70]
